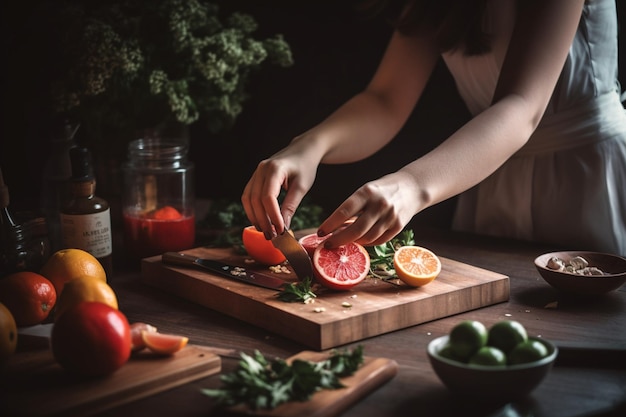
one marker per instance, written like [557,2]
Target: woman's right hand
[294,169]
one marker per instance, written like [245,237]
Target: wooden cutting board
[33,384]
[375,307]
[329,403]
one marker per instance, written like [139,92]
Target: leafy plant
[381,256]
[128,65]
[260,383]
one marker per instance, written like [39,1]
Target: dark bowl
[489,384]
[613,266]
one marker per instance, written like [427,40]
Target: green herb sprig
[381,256]
[301,291]
[263,384]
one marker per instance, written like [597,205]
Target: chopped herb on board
[300,291]
[263,384]
[381,256]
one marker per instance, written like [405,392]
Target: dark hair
[455,24]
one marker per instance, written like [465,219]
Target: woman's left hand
[379,209]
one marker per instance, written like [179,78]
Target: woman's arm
[356,130]
[541,39]
[368,121]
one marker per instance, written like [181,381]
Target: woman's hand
[293,169]
[380,210]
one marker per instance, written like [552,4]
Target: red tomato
[91,338]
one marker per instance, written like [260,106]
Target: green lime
[507,334]
[446,352]
[467,337]
[488,356]
[526,352]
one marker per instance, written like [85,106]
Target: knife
[233,272]
[296,255]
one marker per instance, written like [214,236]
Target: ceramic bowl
[490,383]
[613,266]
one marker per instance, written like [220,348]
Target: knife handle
[177,258]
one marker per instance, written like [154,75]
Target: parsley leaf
[262,384]
[300,291]
[381,256]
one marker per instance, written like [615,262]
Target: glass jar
[158,199]
[38,242]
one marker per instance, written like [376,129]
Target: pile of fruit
[505,343]
[90,335]
[344,267]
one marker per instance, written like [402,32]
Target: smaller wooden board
[369,309]
[32,383]
[329,403]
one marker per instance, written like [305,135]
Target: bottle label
[89,232]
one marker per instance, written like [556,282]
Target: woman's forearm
[472,153]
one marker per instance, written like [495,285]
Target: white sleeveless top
[567,185]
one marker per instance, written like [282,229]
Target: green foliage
[300,291]
[381,256]
[263,384]
[230,217]
[132,64]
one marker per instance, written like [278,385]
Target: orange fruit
[8,333]
[84,288]
[164,344]
[311,242]
[259,248]
[416,266]
[136,330]
[341,268]
[29,296]
[67,264]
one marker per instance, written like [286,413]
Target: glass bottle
[13,252]
[56,173]
[158,203]
[86,219]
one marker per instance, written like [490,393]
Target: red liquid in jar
[145,236]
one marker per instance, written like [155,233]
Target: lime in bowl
[484,383]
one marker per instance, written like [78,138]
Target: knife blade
[294,252]
[229,271]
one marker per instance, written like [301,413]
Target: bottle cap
[82,168]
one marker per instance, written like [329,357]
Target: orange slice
[165,344]
[416,266]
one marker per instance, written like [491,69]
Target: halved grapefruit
[259,248]
[341,268]
[310,242]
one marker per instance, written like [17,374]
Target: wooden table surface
[568,391]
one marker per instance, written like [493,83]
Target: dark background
[336,50]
